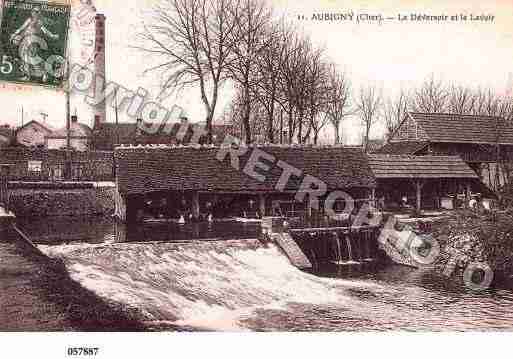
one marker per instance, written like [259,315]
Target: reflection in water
[94,230]
[241,285]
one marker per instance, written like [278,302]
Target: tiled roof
[144,169]
[77,130]
[6,132]
[6,136]
[441,127]
[46,127]
[402,148]
[106,134]
[390,166]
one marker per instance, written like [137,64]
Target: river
[234,283]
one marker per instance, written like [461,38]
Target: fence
[49,165]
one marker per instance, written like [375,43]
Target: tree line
[287,90]
[437,96]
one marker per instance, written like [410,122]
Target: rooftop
[77,130]
[158,168]
[443,127]
[106,134]
[419,167]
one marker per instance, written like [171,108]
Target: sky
[392,54]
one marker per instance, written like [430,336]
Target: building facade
[80,136]
[33,134]
[485,143]
[6,136]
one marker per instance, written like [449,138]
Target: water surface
[235,283]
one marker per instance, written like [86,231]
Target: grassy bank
[39,295]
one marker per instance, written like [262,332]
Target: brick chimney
[99,61]
[97,122]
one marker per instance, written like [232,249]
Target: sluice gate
[310,247]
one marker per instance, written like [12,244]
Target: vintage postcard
[239,166]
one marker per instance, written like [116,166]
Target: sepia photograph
[255,166]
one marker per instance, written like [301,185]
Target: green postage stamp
[33,42]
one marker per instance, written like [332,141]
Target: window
[35,166]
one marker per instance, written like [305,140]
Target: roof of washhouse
[147,169]
[419,167]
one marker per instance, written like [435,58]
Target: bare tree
[338,94]
[431,97]
[317,124]
[315,95]
[193,41]
[267,86]
[369,102]
[290,67]
[460,100]
[394,111]
[252,19]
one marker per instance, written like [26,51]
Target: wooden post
[418,185]
[261,198]
[4,180]
[468,195]
[490,185]
[438,193]
[309,208]
[195,205]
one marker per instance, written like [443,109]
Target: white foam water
[207,285]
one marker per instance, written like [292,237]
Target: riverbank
[39,295]
[48,199]
[478,243]
[468,237]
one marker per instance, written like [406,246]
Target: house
[33,134]
[483,142]
[80,137]
[6,136]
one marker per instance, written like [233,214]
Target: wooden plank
[291,249]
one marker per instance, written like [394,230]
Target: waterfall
[368,238]
[350,258]
[349,249]
[339,249]
[206,285]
